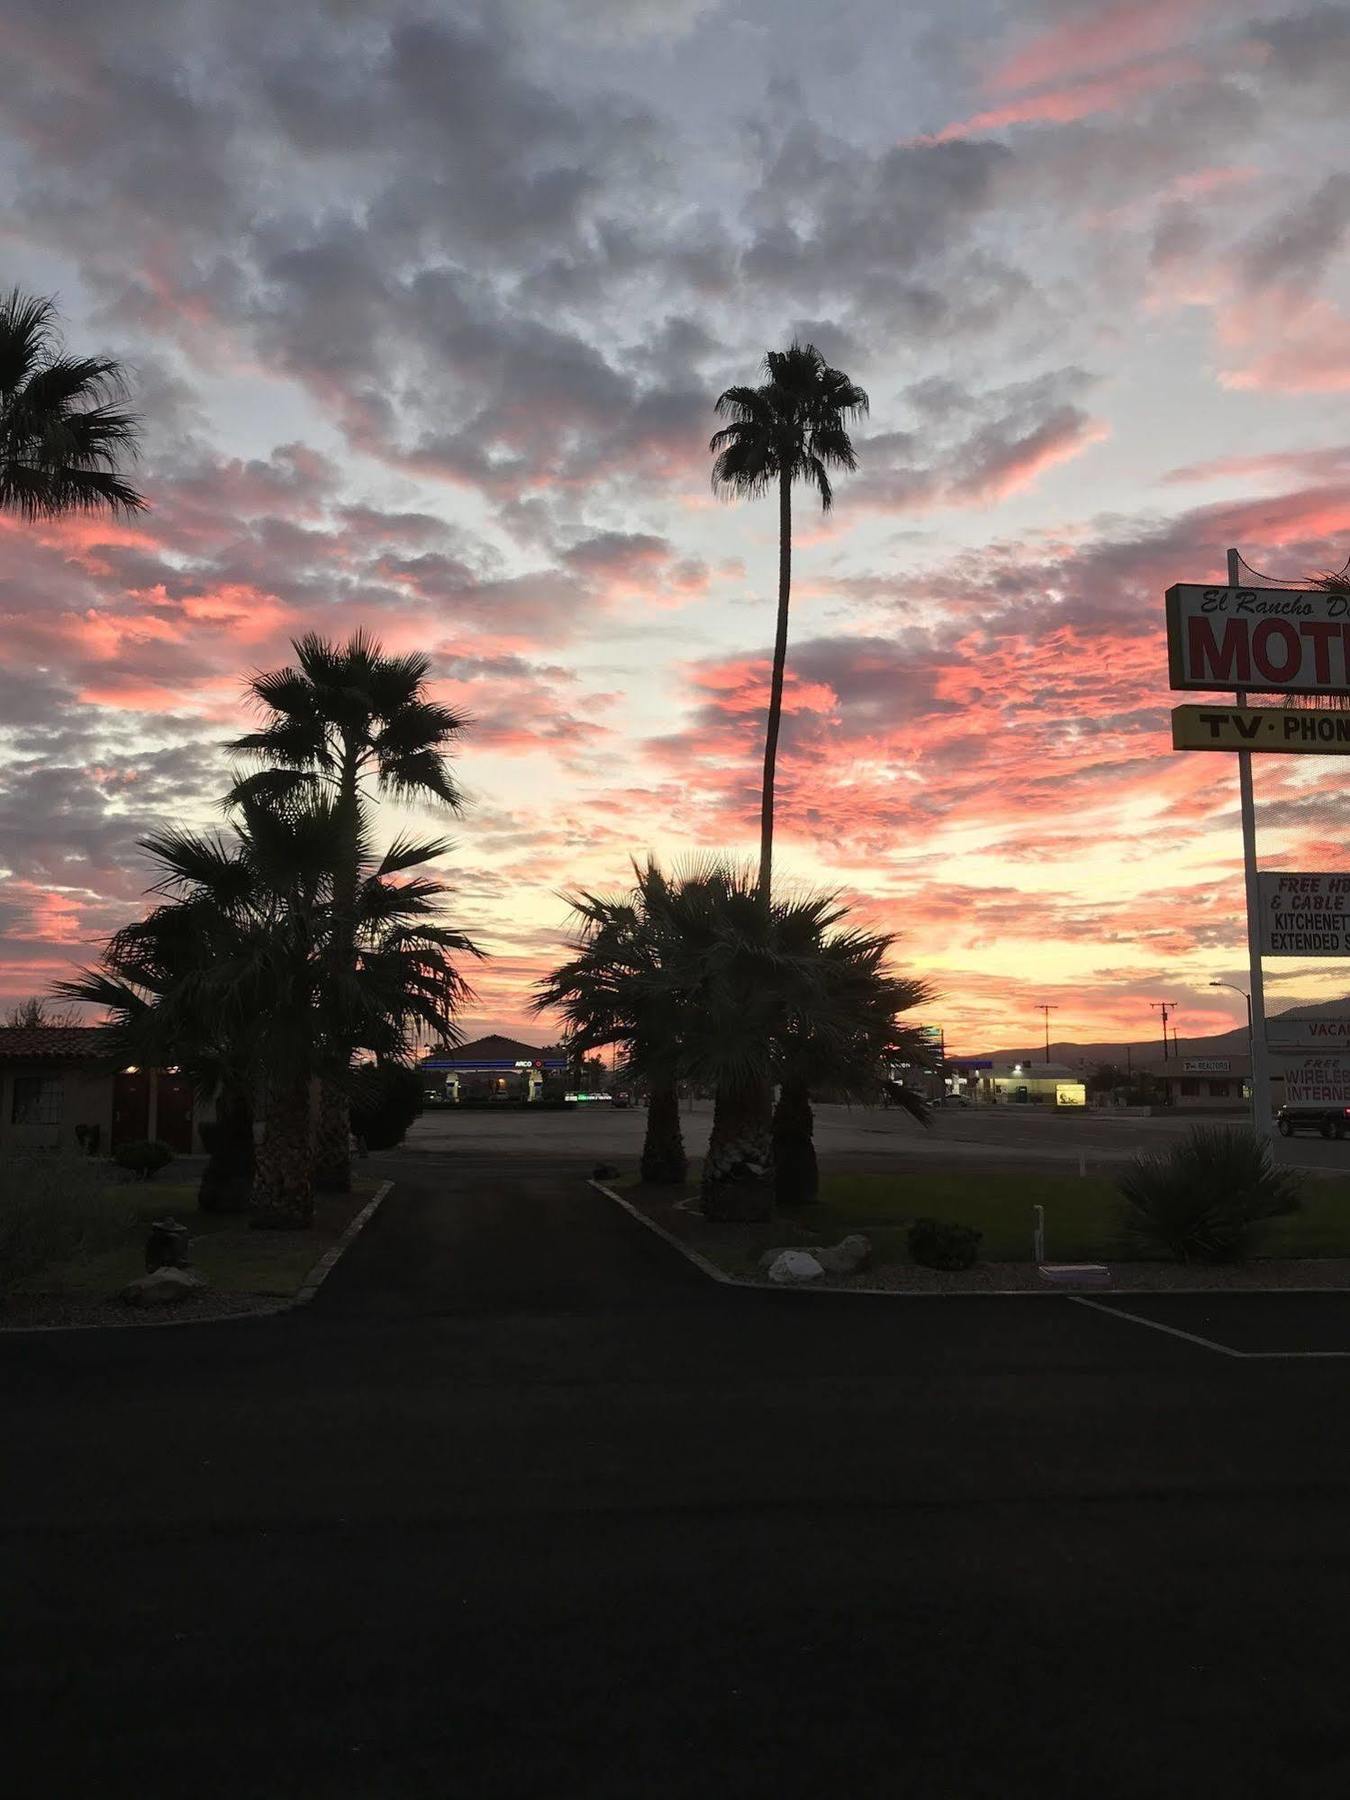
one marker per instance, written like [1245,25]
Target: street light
[1246,996]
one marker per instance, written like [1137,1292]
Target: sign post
[1261,1118]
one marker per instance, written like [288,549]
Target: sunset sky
[426,309]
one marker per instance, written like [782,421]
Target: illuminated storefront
[490,1069]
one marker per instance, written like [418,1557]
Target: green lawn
[1081,1215]
[232,1258]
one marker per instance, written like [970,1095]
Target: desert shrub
[53,1207]
[940,1244]
[1206,1198]
[143,1157]
[385,1099]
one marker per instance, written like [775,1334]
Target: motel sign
[1272,640]
[1292,641]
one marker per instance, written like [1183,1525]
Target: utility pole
[1166,1008]
[1046,1011]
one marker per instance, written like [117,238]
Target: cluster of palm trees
[288,945]
[699,983]
[282,949]
[709,975]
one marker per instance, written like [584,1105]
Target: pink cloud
[1078,100]
[1301,350]
[1109,35]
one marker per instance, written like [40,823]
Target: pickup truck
[1331,1121]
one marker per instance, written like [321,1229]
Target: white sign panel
[1206,1065]
[1317,1081]
[1308,1034]
[1271,640]
[1305,915]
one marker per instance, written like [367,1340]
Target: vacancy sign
[1286,728]
[1295,1035]
[1305,915]
[1274,640]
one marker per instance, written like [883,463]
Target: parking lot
[525,1500]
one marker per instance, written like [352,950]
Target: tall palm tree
[346,721]
[793,427]
[63,433]
[607,993]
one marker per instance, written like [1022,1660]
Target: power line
[1166,1008]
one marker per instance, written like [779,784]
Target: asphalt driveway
[522,1505]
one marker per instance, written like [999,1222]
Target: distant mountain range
[1148,1050]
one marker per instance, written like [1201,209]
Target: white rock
[795,1265]
[162,1287]
[844,1258]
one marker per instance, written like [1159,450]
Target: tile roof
[493,1046]
[69,1042]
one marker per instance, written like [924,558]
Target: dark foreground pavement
[524,1506]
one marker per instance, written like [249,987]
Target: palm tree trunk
[796,1174]
[776,687]
[227,1178]
[333,1141]
[664,1163]
[283,1185]
[738,1169]
[333,1167]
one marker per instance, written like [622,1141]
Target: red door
[131,1108]
[173,1113]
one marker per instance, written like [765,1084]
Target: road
[523,1505]
[857,1137]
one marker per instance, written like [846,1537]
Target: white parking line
[1119,1312]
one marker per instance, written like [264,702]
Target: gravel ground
[27,1310]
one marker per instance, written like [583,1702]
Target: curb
[699,1262]
[865,1293]
[331,1258]
[312,1283]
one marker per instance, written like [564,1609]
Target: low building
[59,1092]
[1210,1084]
[1032,1084]
[491,1069]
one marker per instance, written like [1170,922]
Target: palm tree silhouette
[232,975]
[62,432]
[350,716]
[609,992]
[791,428]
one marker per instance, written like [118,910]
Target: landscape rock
[163,1287]
[793,1266]
[844,1258]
